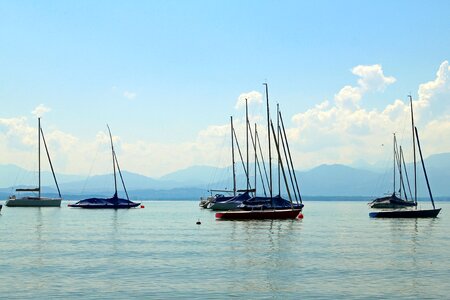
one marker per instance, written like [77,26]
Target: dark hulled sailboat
[114,202]
[412,213]
[268,207]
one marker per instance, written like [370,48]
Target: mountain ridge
[324,180]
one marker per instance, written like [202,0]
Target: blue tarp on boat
[115,203]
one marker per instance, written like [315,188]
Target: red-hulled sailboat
[274,207]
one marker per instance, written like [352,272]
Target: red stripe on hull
[259,214]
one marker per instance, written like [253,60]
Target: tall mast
[268,137]
[39,155]
[114,162]
[256,155]
[394,162]
[232,158]
[414,150]
[279,158]
[246,136]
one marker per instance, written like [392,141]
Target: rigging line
[289,168]
[90,169]
[399,166]
[290,158]
[50,162]
[114,162]
[260,174]
[262,158]
[120,173]
[406,173]
[281,162]
[423,166]
[257,161]
[240,154]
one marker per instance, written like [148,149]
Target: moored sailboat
[412,213]
[114,202]
[268,207]
[36,200]
[394,201]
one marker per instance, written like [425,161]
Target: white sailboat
[36,200]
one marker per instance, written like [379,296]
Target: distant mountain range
[325,181]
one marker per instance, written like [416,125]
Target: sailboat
[36,200]
[412,213]
[114,202]
[224,203]
[273,207]
[394,201]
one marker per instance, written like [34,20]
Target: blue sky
[166,76]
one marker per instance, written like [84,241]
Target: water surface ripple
[335,252]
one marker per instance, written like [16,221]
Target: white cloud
[372,78]
[252,97]
[129,95]
[40,110]
[345,131]
[340,130]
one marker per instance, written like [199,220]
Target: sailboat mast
[246,136]
[278,139]
[256,155]
[232,157]
[394,162]
[414,150]
[268,137]
[39,155]
[114,161]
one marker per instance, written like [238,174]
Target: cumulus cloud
[339,130]
[371,79]
[344,131]
[129,95]
[252,97]
[40,110]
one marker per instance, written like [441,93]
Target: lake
[335,252]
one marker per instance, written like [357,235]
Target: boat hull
[33,202]
[259,214]
[426,213]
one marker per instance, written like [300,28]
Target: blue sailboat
[114,202]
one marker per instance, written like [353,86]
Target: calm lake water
[335,252]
